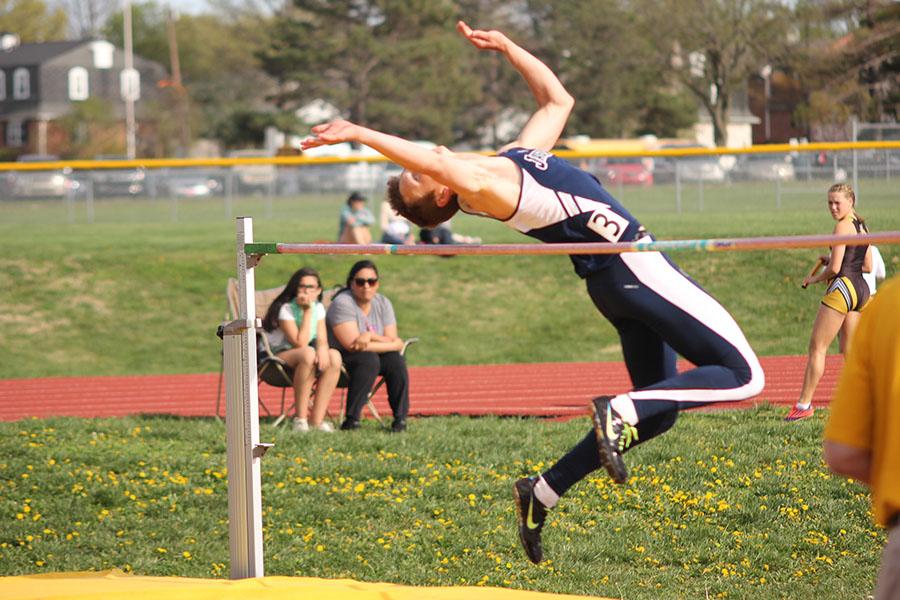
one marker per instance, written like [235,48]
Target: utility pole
[181,97]
[130,85]
[766,73]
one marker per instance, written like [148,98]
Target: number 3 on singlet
[604,221]
[607,223]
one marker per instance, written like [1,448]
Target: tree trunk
[719,116]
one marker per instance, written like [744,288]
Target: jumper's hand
[483,40]
[326,134]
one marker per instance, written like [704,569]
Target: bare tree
[713,46]
[87,17]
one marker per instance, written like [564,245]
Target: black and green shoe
[614,436]
[531,514]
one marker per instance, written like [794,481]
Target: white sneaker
[325,426]
[300,425]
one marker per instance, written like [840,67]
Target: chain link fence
[190,191]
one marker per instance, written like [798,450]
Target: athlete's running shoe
[531,514]
[614,436]
[798,414]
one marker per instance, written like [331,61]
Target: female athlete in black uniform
[847,292]
[657,310]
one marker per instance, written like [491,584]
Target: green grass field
[734,504]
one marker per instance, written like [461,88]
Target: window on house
[2,86]
[78,83]
[15,134]
[103,54]
[21,84]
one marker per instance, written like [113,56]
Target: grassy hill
[136,292]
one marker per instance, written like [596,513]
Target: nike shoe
[797,414]
[531,514]
[614,436]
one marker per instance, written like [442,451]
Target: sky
[192,7]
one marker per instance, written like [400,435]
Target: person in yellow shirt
[862,437]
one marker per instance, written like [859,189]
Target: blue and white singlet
[560,203]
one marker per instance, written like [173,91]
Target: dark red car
[627,171]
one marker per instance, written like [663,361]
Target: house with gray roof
[41,82]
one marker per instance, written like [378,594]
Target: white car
[40,184]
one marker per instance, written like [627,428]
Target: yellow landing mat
[114,584]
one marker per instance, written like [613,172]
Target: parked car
[130,181]
[190,183]
[818,165]
[768,167]
[55,183]
[627,170]
[689,168]
[252,178]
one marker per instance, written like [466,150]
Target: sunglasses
[361,281]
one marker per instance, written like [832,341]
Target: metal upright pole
[777,191]
[242,421]
[700,193]
[677,186]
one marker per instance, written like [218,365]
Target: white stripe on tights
[655,272]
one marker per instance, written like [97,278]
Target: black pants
[658,311]
[364,368]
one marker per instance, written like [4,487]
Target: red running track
[544,390]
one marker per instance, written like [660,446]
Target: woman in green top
[295,328]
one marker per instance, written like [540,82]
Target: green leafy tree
[666,114]
[847,58]
[33,20]
[390,64]
[597,51]
[91,128]
[245,127]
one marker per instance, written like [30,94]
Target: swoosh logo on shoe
[610,432]
[529,521]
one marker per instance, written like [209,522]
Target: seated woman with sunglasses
[362,325]
[295,328]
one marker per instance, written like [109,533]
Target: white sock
[624,405]
[545,493]
[804,406]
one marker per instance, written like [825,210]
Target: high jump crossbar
[244,450]
[708,245]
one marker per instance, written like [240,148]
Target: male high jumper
[656,308]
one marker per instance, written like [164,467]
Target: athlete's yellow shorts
[843,295]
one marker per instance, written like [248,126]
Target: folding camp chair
[269,369]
